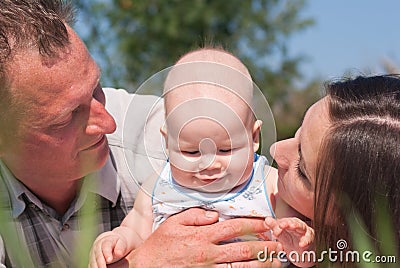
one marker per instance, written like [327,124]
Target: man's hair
[29,25]
[358,171]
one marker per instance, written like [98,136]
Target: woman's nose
[281,152]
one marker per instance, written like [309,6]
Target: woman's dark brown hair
[358,171]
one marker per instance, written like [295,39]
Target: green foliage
[9,233]
[89,220]
[134,39]
[363,242]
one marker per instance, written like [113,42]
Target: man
[56,158]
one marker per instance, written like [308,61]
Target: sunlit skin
[61,136]
[212,150]
[294,187]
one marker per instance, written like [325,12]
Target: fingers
[234,227]
[275,263]
[292,232]
[97,259]
[107,248]
[194,245]
[293,224]
[273,225]
[222,230]
[120,250]
[250,250]
[304,242]
[289,224]
[308,238]
[97,256]
[196,217]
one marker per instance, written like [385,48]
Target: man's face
[61,134]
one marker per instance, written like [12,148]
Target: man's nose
[99,121]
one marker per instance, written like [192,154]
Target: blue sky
[348,35]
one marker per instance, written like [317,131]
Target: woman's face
[297,159]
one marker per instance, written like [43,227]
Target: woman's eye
[225,150]
[299,172]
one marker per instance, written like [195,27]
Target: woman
[342,168]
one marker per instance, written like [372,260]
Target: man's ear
[256,134]
[163,131]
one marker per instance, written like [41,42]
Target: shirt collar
[103,182]
[15,190]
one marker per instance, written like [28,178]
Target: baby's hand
[107,248]
[294,235]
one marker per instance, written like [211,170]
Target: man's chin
[93,163]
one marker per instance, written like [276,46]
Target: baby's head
[211,132]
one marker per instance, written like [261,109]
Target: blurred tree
[137,38]
[390,67]
[290,111]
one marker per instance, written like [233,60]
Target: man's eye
[225,150]
[77,109]
[61,124]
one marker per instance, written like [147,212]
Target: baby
[211,137]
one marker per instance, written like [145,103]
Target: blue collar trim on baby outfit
[214,197]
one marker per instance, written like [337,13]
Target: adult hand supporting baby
[191,238]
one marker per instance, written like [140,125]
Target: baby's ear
[164,132]
[256,134]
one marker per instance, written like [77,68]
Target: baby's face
[211,150]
